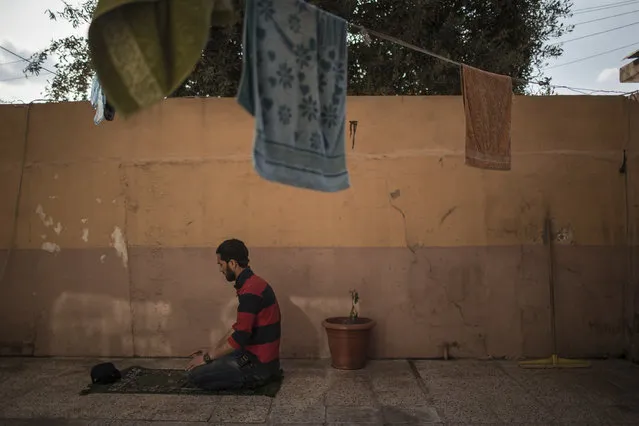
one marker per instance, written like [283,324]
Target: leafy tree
[508,37]
[73,69]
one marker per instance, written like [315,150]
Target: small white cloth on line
[98,100]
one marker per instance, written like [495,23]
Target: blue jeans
[234,371]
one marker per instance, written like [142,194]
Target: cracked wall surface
[112,252]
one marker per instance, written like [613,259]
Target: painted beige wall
[632,310]
[118,224]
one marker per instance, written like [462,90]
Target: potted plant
[348,337]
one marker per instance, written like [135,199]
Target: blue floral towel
[294,83]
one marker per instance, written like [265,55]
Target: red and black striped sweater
[258,327]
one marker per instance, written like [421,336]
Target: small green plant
[354,300]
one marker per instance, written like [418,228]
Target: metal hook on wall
[624,162]
[352,129]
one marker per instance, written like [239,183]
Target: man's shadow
[300,337]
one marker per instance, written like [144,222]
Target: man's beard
[230,275]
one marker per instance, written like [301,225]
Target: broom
[553,361]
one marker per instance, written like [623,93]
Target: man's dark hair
[234,250]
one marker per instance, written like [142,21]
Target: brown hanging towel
[488,106]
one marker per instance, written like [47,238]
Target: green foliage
[73,68]
[508,37]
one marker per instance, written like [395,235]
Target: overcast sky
[25,28]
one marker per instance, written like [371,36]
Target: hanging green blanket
[142,50]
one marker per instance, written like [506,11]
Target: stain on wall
[131,213]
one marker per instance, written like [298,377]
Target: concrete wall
[118,224]
[632,311]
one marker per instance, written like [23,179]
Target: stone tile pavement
[45,392]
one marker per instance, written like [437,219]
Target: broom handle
[551,282]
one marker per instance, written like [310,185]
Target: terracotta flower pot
[348,341]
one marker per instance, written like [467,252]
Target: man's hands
[196,361]
[222,348]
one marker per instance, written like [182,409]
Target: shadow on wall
[300,337]
[304,335]
[81,324]
[152,320]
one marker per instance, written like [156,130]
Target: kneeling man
[248,355]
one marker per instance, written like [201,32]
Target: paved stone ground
[45,392]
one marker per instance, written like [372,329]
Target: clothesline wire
[606,4]
[604,18]
[23,58]
[604,7]
[595,34]
[403,43]
[25,77]
[11,62]
[593,56]
[395,40]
